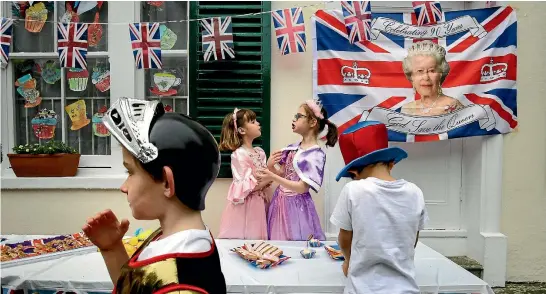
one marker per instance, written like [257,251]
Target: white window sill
[86,178]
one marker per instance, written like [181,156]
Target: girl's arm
[261,185]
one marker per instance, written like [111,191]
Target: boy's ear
[391,165]
[353,172]
[168,177]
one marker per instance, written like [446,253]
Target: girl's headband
[315,108]
[235,118]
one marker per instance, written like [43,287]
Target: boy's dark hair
[359,169]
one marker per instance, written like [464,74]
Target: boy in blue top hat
[379,216]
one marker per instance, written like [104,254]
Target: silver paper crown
[129,121]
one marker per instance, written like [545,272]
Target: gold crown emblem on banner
[355,74]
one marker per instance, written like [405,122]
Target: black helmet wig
[159,139]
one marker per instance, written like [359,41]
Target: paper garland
[72,44]
[77,112]
[217,38]
[26,87]
[44,124]
[6,28]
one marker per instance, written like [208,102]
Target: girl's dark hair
[331,136]
[230,139]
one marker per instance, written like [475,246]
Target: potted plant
[51,159]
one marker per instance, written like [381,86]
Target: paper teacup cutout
[168,37]
[51,72]
[94,32]
[44,124]
[77,112]
[26,87]
[77,79]
[163,83]
[35,17]
[99,129]
[101,78]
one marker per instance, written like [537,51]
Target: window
[169,84]
[217,87]
[34,81]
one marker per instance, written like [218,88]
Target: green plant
[51,147]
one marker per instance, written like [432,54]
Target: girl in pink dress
[245,214]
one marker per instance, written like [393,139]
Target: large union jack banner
[146,43]
[6,27]
[426,83]
[72,44]
[289,29]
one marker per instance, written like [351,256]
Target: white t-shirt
[189,241]
[385,218]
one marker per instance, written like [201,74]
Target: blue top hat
[366,143]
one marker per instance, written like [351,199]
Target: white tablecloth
[87,272]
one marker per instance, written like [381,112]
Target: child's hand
[265,175]
[345,267]
[274,159]
[104,230]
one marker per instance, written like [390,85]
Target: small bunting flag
[290,30]
[427,12]
[6,28]
[72,45]
[146,43]
[217,38]
[358,20]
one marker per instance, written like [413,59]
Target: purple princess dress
[293,216]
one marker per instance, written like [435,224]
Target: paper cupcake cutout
[77,79]
[99,129]
[101,79]
[168,108]
[168,37]
[44,124]
[69,15]
[35,17]
[163,83]
[51,72]
[26,87]
[77,112]
[94,32]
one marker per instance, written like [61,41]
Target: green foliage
[51,147]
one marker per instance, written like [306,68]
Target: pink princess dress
[293,216]
[245,214]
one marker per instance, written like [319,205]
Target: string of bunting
[149,38]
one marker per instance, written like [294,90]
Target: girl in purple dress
[292,214]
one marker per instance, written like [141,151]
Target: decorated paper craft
[95,29]
[44,124]
[6,28]
[261,254]
[163,83]
[290,30]
[308,253]
[99,129]
[26,87]
[77,79]
[51,72]
[24,66]
[427,12]
[168,108]
[77,112]
[334,252]
[69,15]
[155,3]
[35,17]
[146,43]
[217,38]
[358,20]
[101,78]
[168,37]
[72,44]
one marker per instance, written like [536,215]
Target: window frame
[94,171]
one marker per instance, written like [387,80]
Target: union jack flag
[146,43]
[217,38]
[358,79]
[358,18]
[72,44]
[290,30]
[6,27]
[427,12]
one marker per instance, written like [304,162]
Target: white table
[87,272]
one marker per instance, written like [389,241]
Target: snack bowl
[315,243]
[308,253]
